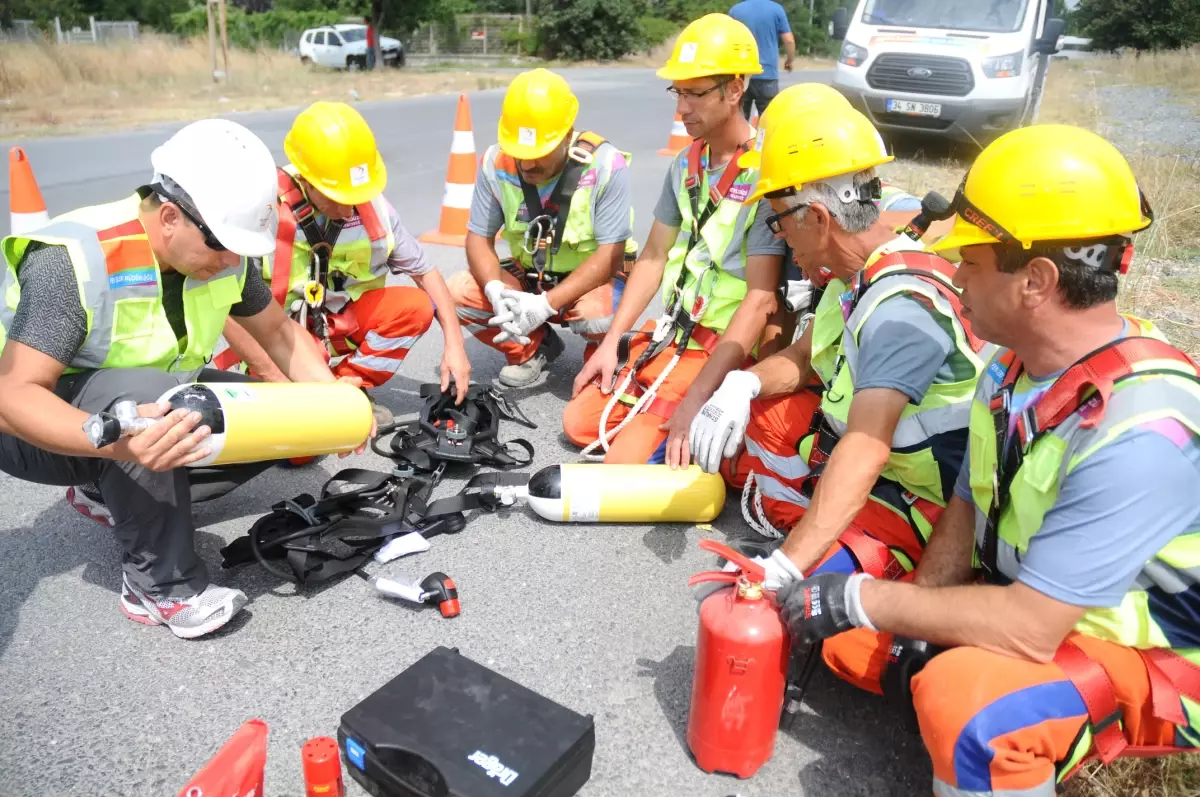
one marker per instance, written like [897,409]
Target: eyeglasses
[193,216]
[694,95]
[773,221]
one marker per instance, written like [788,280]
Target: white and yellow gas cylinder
[599,493]
[256,421]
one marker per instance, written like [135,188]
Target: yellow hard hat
[807,97]
[1046,183]
[814,144]
[715,44]
[332,147]
[539,110]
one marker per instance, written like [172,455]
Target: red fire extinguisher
[742,653]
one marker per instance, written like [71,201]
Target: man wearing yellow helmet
[851,473]
[1055,616]
[562,197]
[713,259]
[339,241]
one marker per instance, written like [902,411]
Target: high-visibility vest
[1137,380]
[579,236]
[357,263]
[897,268]
[121,292]
[716,263]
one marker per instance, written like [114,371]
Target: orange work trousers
[999,725]
[883,539]
[641,440]
[590,316]
[390,321]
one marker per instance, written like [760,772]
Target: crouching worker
[124,301]
[1060,585]
[562,197]
[709,255]
[867,457]
[339,239]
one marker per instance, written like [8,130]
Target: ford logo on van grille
[920,71]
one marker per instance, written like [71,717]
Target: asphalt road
[597,618]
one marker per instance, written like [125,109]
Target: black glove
[816,608]
[906,658]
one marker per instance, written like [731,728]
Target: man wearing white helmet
[126,300]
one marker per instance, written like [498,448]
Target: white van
[970,70]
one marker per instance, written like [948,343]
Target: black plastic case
[450,727]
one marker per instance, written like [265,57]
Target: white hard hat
[229,174]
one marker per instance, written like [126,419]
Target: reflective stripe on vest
[717,263]
[360,253]
[1168,587]
[579,237]
[946,407]
[118,277]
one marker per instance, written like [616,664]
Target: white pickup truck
[970,70]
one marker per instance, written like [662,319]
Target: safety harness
[677,318]
[1088,384]
[358,511]
[873,556]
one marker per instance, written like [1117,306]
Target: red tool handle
[753,572]
[713,575]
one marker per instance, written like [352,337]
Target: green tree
[1140,24]
[582,29]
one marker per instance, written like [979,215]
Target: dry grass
[58,89]
[1173,776]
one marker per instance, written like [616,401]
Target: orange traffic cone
[27,209]
[680,140]
[460,183]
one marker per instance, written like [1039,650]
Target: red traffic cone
[460,183]
[27,209]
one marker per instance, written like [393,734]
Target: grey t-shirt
[759,241]
[611,219]
[50,316]
[902,347]
[1095,539]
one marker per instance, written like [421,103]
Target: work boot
[188,618]
[87,501]
[526,373]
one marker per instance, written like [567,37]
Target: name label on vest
[132,277]
[738,192]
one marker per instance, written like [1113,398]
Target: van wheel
[305,60]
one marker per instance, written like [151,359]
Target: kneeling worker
[562,197]
[1078,637]
[339,239]
[126,300]
[712,257]
[869,458]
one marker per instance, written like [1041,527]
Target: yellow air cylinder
[598,493]
[255,421]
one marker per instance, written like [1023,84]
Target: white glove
[502,310]
[798,295]
[719,426]
[780,571]
[529,311]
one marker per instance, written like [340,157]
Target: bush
[269,28]
[654,31]
[603,30]
[1141,24]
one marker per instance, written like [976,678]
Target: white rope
[758,521]
[642,402]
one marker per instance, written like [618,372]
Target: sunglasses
[192,215]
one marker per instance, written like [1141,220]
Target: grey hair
[855,216]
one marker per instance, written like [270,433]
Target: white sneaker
[91,508]
[189,618]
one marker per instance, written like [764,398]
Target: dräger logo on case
[493,767]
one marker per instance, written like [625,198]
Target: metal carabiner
[535,231]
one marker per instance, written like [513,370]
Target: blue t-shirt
[766,19]
[1114,511]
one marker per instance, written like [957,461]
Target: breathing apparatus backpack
[359,511]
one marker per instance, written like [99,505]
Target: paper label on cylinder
[584,504]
